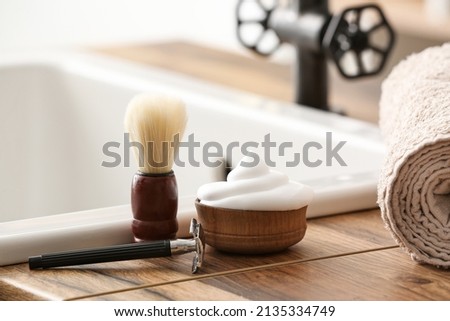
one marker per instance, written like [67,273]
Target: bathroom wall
[52,23]
[31,24]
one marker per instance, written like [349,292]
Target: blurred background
[26,24]
[48,24]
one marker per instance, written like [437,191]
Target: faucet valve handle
[253,30]
[359,40]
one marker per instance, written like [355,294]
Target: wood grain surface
[251,232]
[330,236]
[376,275]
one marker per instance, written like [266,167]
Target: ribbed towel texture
[414,185]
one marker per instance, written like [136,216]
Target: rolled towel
[414,185]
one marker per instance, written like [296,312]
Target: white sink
[58,110]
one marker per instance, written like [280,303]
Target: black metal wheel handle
[253,30]
[351,44]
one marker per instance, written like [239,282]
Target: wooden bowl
[251,232]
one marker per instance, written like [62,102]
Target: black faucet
[358,49]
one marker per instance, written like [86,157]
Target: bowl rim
[198,203]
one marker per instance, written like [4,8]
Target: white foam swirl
[256,188]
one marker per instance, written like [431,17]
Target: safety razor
[133,251]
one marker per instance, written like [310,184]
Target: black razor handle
[123,252]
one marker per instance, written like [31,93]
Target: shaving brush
[155,124]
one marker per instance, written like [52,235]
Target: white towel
[414,185]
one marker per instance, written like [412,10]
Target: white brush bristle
[154,121]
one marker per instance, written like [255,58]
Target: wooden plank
[58,284]
[379,275]
[179,291]
[333,235]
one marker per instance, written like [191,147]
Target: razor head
[199,237]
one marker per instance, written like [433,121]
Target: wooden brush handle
[154,202]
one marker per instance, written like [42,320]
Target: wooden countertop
[344,257]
